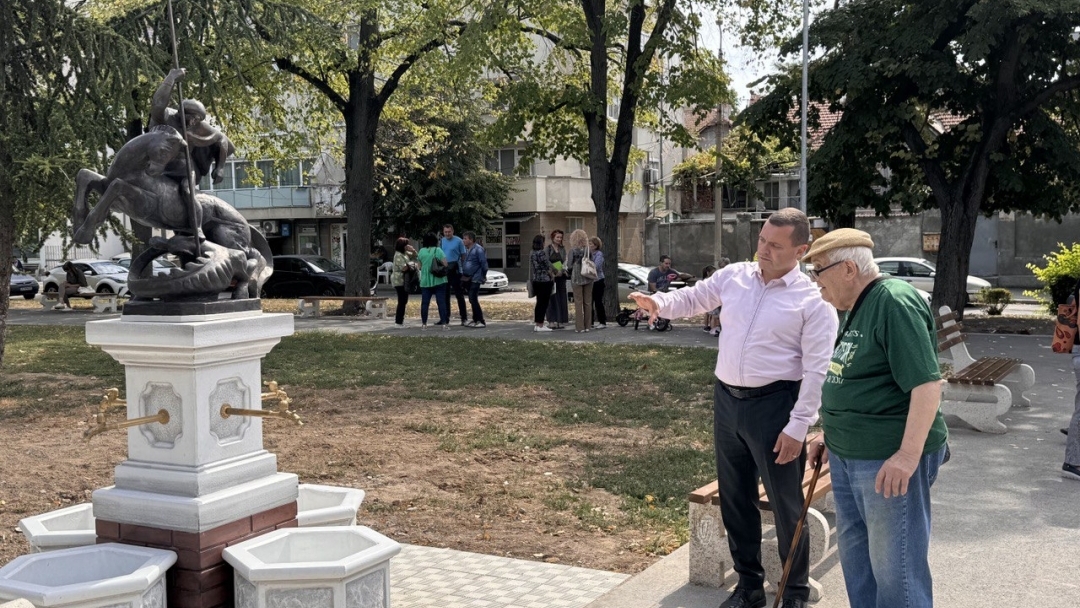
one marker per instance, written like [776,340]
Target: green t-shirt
[425,256]
[888,350]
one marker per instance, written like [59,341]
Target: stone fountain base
[201,578]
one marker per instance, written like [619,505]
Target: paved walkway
[425,577]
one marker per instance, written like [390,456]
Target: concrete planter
[327,505]
[327,567]
[60,529]
[111,574]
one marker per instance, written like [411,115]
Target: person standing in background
[595,245]
[454,251]
[541,275]
[432,286]
[558,312]
[404,265]
[474,274]
[579,251]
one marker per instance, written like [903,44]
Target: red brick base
[201,577]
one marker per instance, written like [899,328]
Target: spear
[192,207]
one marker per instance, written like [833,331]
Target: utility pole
[805,79]
[718,190]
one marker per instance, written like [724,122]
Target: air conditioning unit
[650,176]
[269,226]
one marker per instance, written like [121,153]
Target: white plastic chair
[383,274]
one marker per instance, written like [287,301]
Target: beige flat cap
[841,237]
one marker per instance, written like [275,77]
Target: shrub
[995,299]
[1058,277]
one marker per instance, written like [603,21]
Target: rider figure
[208,145]
[660,278]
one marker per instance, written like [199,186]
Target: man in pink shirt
[774,351]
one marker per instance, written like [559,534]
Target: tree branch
[935,175]
[322,85]
[1061,86]
[399,72]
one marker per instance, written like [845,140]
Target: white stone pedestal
[200,470]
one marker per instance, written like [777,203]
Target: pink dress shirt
[782,330]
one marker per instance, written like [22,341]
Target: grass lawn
[579,453]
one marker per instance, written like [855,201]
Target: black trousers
[402,302]
[542,291]
[598,302]
[744,432]
[453,290]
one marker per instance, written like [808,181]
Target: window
[771,195]
[307,171]
[243,176]
[267,177]
[574,223]
[917,270]
[793,193]
[613,108]
[890,268]
[290,174]
[507,160]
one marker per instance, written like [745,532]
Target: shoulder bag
[1065,327]
[588,268]
[438,267]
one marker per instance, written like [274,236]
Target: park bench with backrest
[310,305]
[709,553]
[979,390]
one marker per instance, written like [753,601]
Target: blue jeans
[438,292]
[884,542]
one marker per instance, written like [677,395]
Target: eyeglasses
[815,273]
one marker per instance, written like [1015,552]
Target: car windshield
[108,268]
[164,263]
[930,264]
[324,265]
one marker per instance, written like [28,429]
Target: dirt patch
[501,481]
[1036,326]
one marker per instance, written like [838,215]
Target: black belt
[743,392]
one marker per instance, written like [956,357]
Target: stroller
[638,315]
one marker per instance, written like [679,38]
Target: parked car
[161,265]
[23,285]
[920,273]
[636,278]
[925,295]
[296,276]
[496,281]
[103,276]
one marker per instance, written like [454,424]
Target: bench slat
[946,345]
[944,332]
[986,371]
[942,319]
[704,494]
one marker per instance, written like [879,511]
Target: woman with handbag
[582,276]
[595,246]
[541,281]
[405,267]
[433,270]
[1065,338]
[558,312]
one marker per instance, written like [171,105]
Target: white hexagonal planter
[60,529]
[326,567]
[327,505]
[111,574]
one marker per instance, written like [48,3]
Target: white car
[920,273]
[496,281]
[636,278]
[161,265]
[925,295]
[103,276]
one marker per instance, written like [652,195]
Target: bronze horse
[232,257]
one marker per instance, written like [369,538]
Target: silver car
[103,276]
[920,273]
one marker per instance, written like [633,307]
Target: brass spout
[282,412]
[102,423]
[111,400]
[274,393]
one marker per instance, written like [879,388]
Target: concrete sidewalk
[1006,524]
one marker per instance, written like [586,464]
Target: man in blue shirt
[660,278]
[473,275]
[454,250]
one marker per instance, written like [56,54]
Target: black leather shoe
[790,602]
[745,598]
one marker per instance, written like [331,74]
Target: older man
[774,349]
[882,426]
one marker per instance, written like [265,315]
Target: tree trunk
[957,235]
[7,239]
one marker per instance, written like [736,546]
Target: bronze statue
[217,248]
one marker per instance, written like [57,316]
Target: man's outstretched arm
[160,102]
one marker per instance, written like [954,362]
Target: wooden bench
[979,390]
[102,301]
[309,305]
[709,554]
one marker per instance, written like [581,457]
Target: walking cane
[797,538]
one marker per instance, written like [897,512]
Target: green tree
[446,182]
[65,87]
[964,106]
[643,57]
[746,160]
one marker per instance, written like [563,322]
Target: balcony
[557,194]
[266,198]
